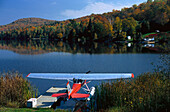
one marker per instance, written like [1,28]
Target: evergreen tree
[149,1]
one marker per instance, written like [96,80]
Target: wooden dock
[46,100]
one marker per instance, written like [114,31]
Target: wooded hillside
[26,22]
[116,25]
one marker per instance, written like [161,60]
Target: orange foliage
[137,11]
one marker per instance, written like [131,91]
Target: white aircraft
[79,80]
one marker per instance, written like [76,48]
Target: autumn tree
[149,1]
[117,25]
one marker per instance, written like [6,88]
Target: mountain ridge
[26,22]
[116,25]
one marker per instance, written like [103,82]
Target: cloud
[92,7]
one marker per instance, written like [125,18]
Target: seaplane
[79,80]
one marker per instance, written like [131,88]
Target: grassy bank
[148,92]
[4,109]
[14,93]
[15,90]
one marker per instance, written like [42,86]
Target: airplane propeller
[88,72]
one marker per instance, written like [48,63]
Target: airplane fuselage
[77,84]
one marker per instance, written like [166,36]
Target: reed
[147,92]
[15,90]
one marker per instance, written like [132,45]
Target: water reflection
[33,47]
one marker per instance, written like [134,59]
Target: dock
[46,100]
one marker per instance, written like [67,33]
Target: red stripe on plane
[132,75]
[80,95]
[76,87]
[28,74]
[62,95]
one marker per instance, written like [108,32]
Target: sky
[11,10]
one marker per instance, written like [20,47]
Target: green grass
[113,109]
[148,34]
[15,90]
[130,39]
[147,92]
[4,109]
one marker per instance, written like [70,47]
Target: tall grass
[15,90]
[149,92]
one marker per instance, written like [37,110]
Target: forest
[112,26]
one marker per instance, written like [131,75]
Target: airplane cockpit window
[74,80]
[78,81]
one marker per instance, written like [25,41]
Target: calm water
[53,56]
[67,62]
[56,56]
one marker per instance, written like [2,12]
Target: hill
[26,22]
[116,25]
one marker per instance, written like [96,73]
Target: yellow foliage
[137,11]
[60,35]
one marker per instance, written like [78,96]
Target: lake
[67,62]
[44,56]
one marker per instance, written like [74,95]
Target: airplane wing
[62,95]
[75,95]
[80,95]
[83,76]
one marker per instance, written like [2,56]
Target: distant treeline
[116,25]
[33,47]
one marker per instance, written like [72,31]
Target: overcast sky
[11,10]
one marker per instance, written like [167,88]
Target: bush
[148,92]
[15,90]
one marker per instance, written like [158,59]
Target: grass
[14,93]
[130,40]
[15,90]
[148,92]
[112,109]
[4,109]
[148,34]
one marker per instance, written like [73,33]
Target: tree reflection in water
[33,47]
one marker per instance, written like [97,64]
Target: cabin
[129,37]
[150,38]
[149,45]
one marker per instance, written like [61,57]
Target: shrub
[148,92]
[15,90]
